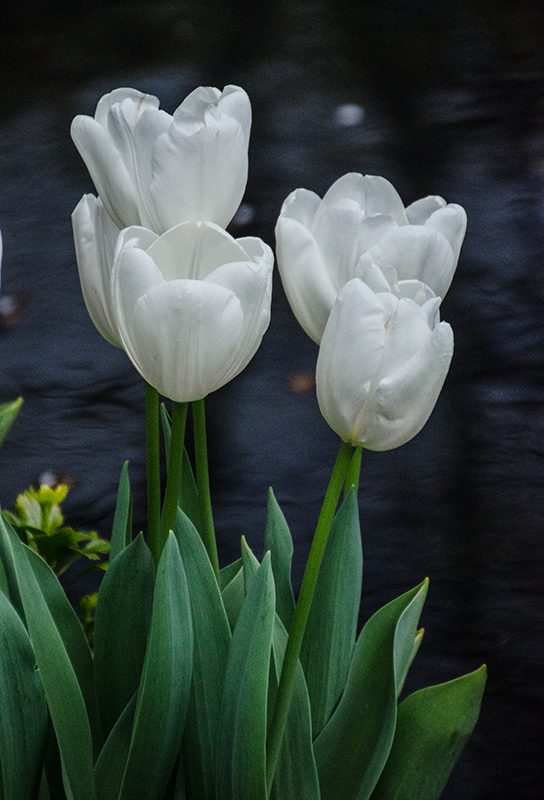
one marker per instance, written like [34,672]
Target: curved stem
[302,610]
[203,482]
[153,469]
[175,467]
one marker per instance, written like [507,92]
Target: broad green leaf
[277,539]
[250,563]
[9,575]
[331,631]
[355,743]
[211,637]
[296,774]
[73,637]
[60,683]
[120,532]
[233,597]
[123,615]
[188,492]
[112,761]
[23,716]
[415,650]
[433,727]
[228,573]
[8,414]
[241,746]
[163,694]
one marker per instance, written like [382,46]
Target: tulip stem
[354,472]
[303,607]
[153,469]
[203,483]
[175,469]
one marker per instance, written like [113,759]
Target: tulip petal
[200,175]
[301,205]
[107,170]
[406,332]
[349,356]
[305,278]
[198,101]
[415,252]
[404,400]
[95,235]
[138,100]
[234,102]
[194,249]
[451,222]
[371,193]
[420,211]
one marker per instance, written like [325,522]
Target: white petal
[306,281]
[406,332]
[451,222]
[95,235]
[194,249]
[201,175]
[198,101]
[415,252]
[139,101]
[107,170]
[301,205]
[349,357]
[421,210]
[235,103]
[372,193]
[135,236]
[404,400]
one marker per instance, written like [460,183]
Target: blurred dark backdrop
[440,98]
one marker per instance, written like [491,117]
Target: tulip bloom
[191,306]
[361,222]
[157,170]
[382,362]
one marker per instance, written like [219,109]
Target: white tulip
[361,221]
[382,362]
[191,306]
[157,170]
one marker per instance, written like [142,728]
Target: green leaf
[121,529]
[61,687]
[188,492]
[112,761]
[296,774]
[211,636]
[277,539]
[163,694]
[433,727]
[228,573]
[233,597]
[8,415]
[331,631]
[250,563]
[241,746]
[123,615]
[354,745]
[73,638]
[23,717]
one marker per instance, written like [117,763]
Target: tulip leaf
[233,597]
[212,636]
[9,574]
[73,637]
[228,573]
[121,528]
[432,729]
[296,774]
[250,563]
[111,763]
[8,415]
[354,745]
[23,717]
[60,684]
[277,539]
[331,631]
[163,694]
[121,627]
[241,746]
[188,492]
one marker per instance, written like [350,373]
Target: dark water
[448,100]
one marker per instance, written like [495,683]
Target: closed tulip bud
[156,170]
[382,362]
[191,306]
[361,221]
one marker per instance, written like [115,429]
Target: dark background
[441,98]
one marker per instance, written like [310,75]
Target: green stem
[175,467]
[354,472]
[203,483]
[302,610]
[153,469]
